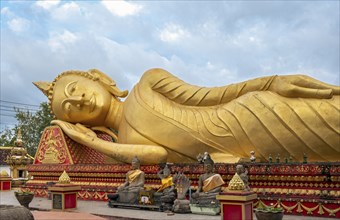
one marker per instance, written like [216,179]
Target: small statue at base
[209,184]
[129,191]
[243,173]
[270,158]
[181,204]
[304,158]
[278,158]
[166,193]
[252,156]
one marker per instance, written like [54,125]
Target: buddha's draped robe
[166,182]
[230,121]
[133,175]
[212,182]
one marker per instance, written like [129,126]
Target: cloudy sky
[207,43]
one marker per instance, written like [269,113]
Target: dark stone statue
[181,204]
[134,182]
[209,184]
[165,195]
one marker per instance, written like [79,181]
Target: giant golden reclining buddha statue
[165,119]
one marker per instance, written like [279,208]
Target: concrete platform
[97,210]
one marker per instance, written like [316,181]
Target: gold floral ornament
[236,183]
[64,178]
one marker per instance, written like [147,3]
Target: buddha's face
[166,172]
[239,169]
[208,168]
[78,99]
[135,165]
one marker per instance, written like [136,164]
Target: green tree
[7,137]
[31,124]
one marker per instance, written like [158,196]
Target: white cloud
[57,41]
[6,11]
[252,35]
[47,4]
[122,8]
[18,24]
[66,10]
[173,32]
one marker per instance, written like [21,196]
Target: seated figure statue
[167,120]
[243,173]
[209,184]
[166,194]
[134,182]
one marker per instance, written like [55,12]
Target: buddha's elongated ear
[43,86]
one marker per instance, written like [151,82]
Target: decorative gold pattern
[64,178]
[300,207]
[51,149]
[236,183]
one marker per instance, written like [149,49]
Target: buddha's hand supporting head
[77,132]
[301,86]
[81,97]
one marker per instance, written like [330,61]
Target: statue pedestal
[64,196]
[236,205]
[5,183]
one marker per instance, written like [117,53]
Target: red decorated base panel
[71,201]
[249,211]
[237,205]
[232,211]
[5,185]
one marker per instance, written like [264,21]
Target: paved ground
[95,210]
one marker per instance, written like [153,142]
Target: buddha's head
[81,97]
[240,169]
[166,171]
[208,164]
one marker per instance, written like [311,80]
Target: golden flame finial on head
[64,178]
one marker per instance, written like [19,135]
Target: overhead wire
[18,103]
[8,107]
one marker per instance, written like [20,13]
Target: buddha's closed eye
[70,88]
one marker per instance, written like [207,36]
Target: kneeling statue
[129,191]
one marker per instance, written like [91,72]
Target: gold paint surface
[64,178]
[165,119]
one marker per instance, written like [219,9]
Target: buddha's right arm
[122,152]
